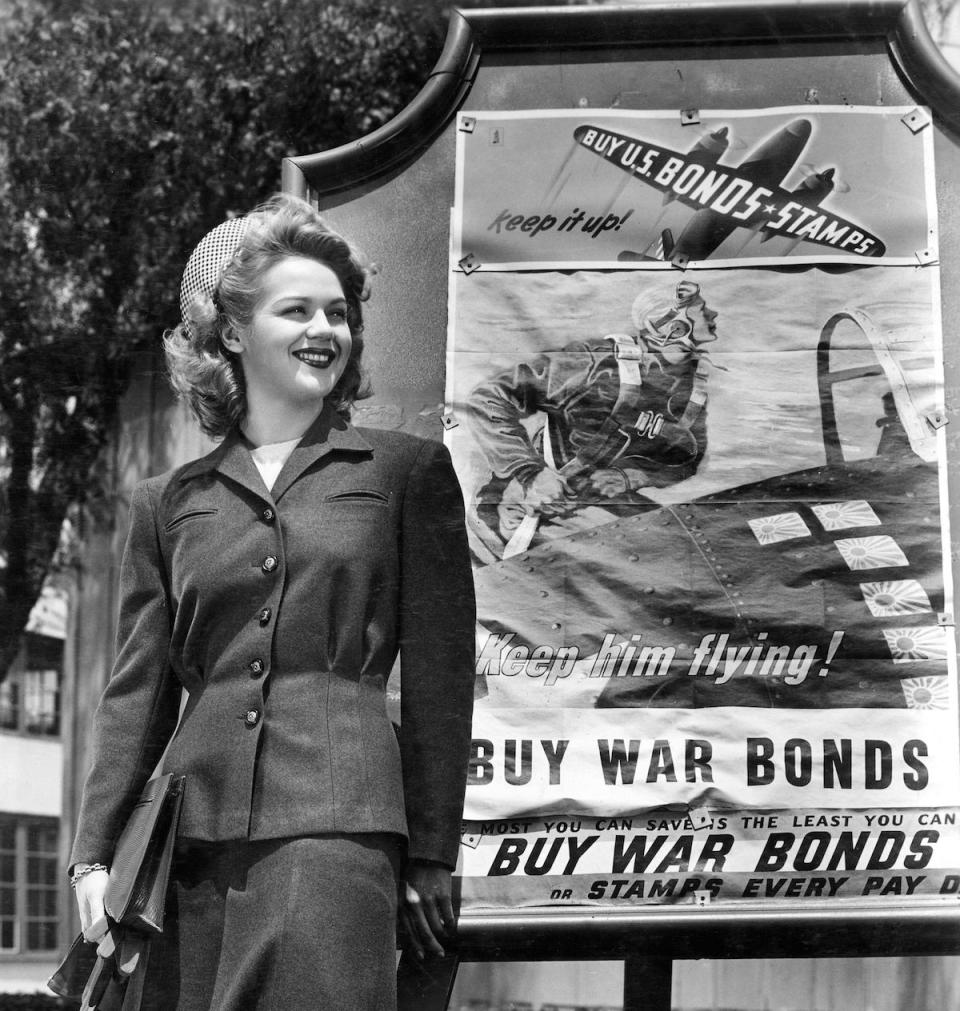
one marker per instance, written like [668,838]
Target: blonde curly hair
[207,375]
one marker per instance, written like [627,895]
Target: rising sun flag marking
[926,693]
[782,527]
[871,552]
[908,645]
[843,515]
[900,596]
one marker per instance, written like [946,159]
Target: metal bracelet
[84,871]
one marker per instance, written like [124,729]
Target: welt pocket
[362,496]
[186,517]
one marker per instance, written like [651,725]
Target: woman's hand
[426,912]
[90,890]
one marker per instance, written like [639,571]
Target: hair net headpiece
[202,274]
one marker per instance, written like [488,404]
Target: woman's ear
[231,341]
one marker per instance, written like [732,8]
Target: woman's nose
[319,325]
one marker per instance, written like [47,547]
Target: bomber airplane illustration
[750,195]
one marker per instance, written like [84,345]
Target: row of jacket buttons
[257,667]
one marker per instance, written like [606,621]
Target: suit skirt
[300,923]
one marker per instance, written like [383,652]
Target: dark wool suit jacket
[282,613]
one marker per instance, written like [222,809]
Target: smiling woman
[275,581]
[295,349]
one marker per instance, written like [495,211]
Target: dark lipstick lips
[316,357]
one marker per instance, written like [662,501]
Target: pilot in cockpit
[594,423]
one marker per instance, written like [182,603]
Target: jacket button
[269,563]
[264,616]
[268,515]
[256,667]
[252,718]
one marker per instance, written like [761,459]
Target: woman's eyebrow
[282,299]
[295,296]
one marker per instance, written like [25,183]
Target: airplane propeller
[814,177]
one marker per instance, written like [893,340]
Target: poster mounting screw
[916,120]
[926,256]
[699,817]
[701,897]
[680,260]
[937,418]
[468,123]
[689,117]
[469,263]
[448,421]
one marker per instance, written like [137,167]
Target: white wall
[31,774]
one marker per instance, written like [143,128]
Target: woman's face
[298,342]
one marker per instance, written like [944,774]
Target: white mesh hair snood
[202,273]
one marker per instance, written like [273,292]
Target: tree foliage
[126,133]
[936,13]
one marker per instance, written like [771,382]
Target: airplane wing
[707,151]
[765,169]
[725,198]
[654,164]
[795,220]
[780,566]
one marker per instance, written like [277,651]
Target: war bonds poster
[695,401]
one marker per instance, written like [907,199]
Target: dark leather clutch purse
[135,899]
[140,870]
[105,974]
[73,972]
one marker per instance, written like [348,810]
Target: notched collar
[330,432]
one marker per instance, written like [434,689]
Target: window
[8,886]
[29,885]
[30,694]
[10,702]
[41,702]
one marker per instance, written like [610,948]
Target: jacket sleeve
[548,382]
[138,711]
[437,656]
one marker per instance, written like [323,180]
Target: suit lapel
[328,433]
[237,464]
[232,458]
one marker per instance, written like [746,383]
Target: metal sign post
[648,941]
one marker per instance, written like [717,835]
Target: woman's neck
[261,428]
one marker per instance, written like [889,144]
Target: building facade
[31,777]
